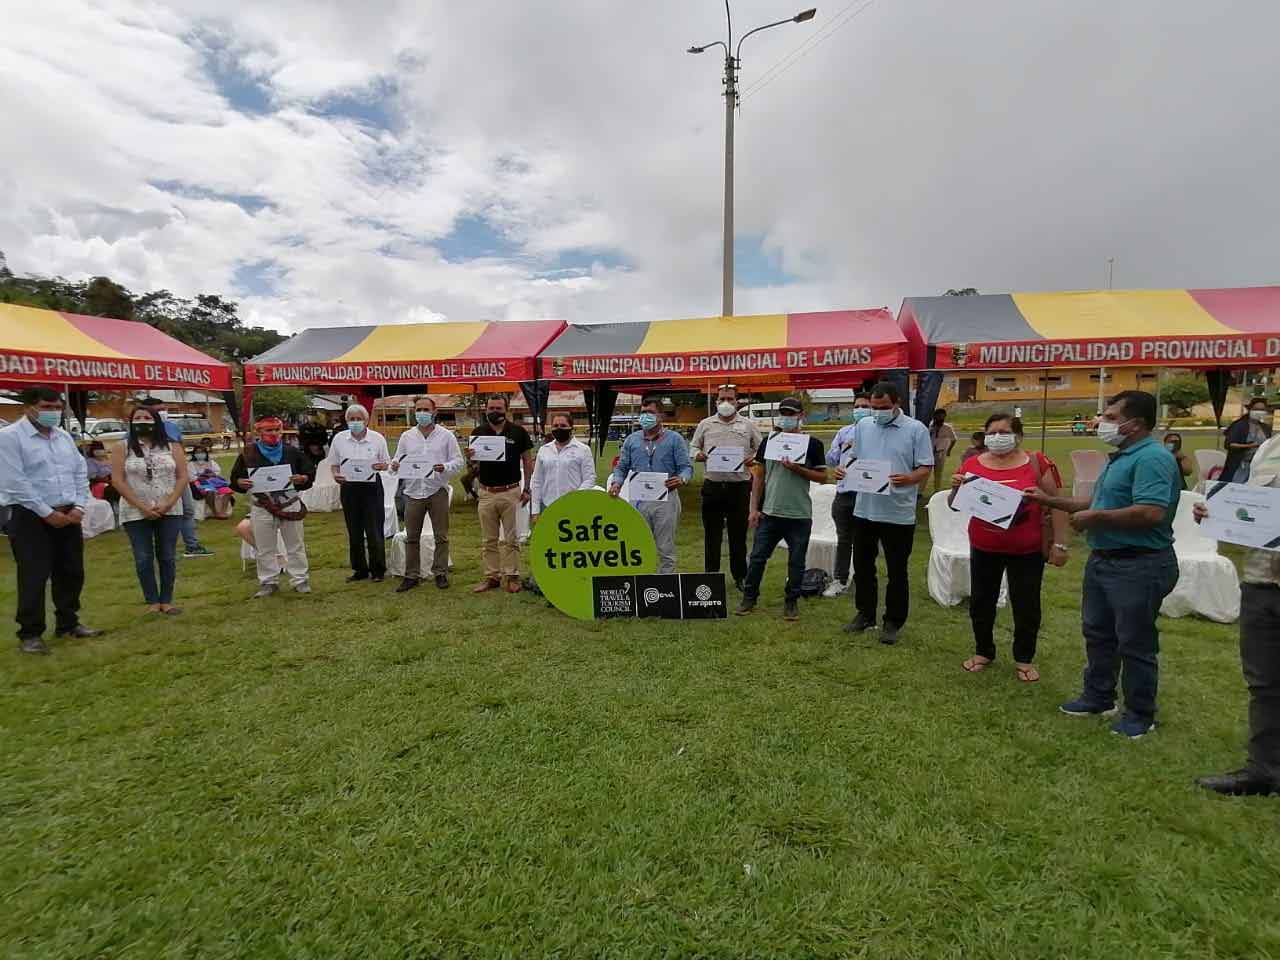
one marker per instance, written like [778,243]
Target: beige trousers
[501,557]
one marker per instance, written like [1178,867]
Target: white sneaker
[837,587]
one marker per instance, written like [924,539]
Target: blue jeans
[189,518]
[155,544]
[1122,597]
[770,532]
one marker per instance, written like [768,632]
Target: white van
[761,414]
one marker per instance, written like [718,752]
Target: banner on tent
[387,372]
[52,368]
[1243,350]
[725,362]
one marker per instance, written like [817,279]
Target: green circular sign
[588,534]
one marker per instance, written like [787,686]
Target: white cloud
[925,145]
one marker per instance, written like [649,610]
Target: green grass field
[365,775]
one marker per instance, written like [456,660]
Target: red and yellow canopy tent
[1211,330]
[80,353]
[408,357]
[758,353]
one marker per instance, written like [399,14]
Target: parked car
[104,430]
[197,429]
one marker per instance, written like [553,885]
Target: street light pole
[732,64]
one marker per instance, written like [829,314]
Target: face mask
[495,417]
[726,408]
[562,434]
[883,417]
[788,423]
[202,456]
[1001,442]
[424,418]
[270,439]
[648,421]
[1260,415]
[1109,432]
[861,413]
[143,429]
[48,418]
[1171,446]
[356,426]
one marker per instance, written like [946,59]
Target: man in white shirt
[45,482]
[563,466]
[362,500]
[726,494]
[434,459]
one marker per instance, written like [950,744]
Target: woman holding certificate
[1015,545]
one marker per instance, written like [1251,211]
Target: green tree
[288,403]
[103,297]
[1183,393]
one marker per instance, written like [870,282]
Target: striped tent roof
[491,355]
[775,350]
[48,346]
[1182,328]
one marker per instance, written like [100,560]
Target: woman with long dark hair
[1244,437]
[150,472]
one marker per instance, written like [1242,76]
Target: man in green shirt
[780,506]
[1132,567]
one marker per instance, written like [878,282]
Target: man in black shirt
[502,493]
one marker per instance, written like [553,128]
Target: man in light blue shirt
[840,455]
[888,521]
[655,449]
[45,482]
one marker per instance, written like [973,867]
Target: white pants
[266,529]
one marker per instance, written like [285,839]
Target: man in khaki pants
[502,492]
[434,460]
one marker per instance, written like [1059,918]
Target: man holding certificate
[276,513]
[781,509]
[1259,637]
[499,451]
[1132,567]
[355,457]
[727,444]
[1008,537]
[656,461]
[427,459]
[895,456]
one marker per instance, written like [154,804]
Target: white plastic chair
[1208,585]
[949,582]
[1086,467]
[247,552]
[1207,460]
[98,518]
[822,538]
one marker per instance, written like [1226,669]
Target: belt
[1128,553]
[509,486]
[725,483]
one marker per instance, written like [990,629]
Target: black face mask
[144,430]
[562,434]
[495,417]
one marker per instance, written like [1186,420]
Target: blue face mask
[648,421]
[788,423]
[861,413]
[424,418]
[357,427]
[48,418]
[884,417]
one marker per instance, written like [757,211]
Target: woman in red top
[1017,552]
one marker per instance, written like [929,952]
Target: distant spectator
[978,445]
[944,439]
[1173,443]
[1244,437]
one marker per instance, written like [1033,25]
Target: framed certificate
[987,500]
[787,446]
[726,459]
[648,486]
[270,479]
[1243,514]
[866,476]
[357,471]
[489,449]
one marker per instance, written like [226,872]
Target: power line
[812,38]
[786,63]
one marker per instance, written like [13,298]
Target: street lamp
[732,64]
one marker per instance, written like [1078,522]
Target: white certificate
[866,476]
[415,468]
[489,449]
[648,486]
[1243,514]
[270,479]
[726,459]
[791,446]
[357,471]
[987,500]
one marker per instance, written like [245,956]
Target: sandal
[976,664]
[1027,673]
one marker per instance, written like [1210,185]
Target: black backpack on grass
[814,582]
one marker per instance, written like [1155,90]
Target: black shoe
[442,581]
[1239,783]
[791,610]
[357,577]
[80,632]
[33,645]
[746,606]
[377,578]
[889,635]
[859,624]
[407,584]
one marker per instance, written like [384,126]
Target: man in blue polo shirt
[1132,567]
[887,521]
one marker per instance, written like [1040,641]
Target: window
[1052,381]
[1096,378]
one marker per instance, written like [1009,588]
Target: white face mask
[1001,442]
[726,409]
[1262,416]
[1109,432]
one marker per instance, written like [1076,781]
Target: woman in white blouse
[150,473]
[563,466]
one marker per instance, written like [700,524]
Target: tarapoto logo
[703,592]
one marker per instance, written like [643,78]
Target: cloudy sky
[332,162]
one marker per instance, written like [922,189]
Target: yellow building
[1065,383]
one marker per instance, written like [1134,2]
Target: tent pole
[1044,414]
